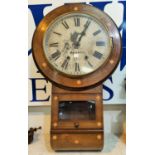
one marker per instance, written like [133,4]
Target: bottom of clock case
[83,141]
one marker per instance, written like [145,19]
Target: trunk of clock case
[77,119]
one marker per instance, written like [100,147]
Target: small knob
[76,124]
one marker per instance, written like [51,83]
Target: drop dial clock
[76,47]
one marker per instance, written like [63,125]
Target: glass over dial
[76,44]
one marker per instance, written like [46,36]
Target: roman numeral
[77,67]
[87,23]
[97,32]
[65,64]
[100,43]
[97,55]
[55,55]
[64,23]
[57,33]
[77,21]
[53,45]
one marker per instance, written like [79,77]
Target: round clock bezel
[76,82]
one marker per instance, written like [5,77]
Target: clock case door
[77,109]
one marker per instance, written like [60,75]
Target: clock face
[76,44]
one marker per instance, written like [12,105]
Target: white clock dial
[76,44]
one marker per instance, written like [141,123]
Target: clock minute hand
[84,31]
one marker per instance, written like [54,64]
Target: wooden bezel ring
[86,81]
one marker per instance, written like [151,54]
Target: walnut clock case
[76,47]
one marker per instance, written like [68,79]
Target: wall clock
[76,47]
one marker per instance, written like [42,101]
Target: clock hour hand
[74,37]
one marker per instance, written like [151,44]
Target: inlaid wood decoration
[76,47]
